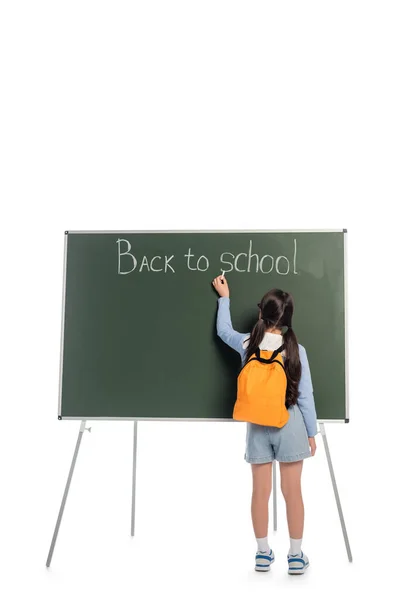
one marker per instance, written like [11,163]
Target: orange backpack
[261,390]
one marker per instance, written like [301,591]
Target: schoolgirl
[290,444]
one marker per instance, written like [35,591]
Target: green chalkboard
[139,310]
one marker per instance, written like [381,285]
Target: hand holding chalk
[221,285]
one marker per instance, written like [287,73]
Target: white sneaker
[298,563]
[264,560]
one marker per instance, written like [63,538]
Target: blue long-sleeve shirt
[235,340]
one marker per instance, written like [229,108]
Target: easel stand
[335,489]
[274,491]
[64,500]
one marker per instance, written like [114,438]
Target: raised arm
[225,330]
[233,338]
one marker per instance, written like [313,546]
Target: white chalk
[223,273]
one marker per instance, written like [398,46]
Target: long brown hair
[276,311]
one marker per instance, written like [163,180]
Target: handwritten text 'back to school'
[243,262]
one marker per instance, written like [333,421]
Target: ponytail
[257,336]
[276,311]
[292,366]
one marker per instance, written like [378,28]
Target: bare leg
[291,489]
[275,507]
[260,497]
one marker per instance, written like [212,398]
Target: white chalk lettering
[145,263]
[278,260]
[255,263]
[127,253]
[252,256]
[226,262]
[242,262]
[189,256]
[236,261]
[151,264]
[167,265]
[262,262]
[207,263]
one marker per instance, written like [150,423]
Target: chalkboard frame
[199,231]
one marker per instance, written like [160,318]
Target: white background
[182,115]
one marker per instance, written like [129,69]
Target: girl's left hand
[313,445]
[221,286]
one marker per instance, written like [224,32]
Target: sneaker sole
[266,568]
[298,571]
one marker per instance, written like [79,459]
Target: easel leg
[134,477]
[339,506]
[64,500]
[274,495]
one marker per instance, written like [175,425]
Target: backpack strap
[268,360]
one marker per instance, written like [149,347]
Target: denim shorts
[284,444]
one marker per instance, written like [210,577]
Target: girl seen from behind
[289,444]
